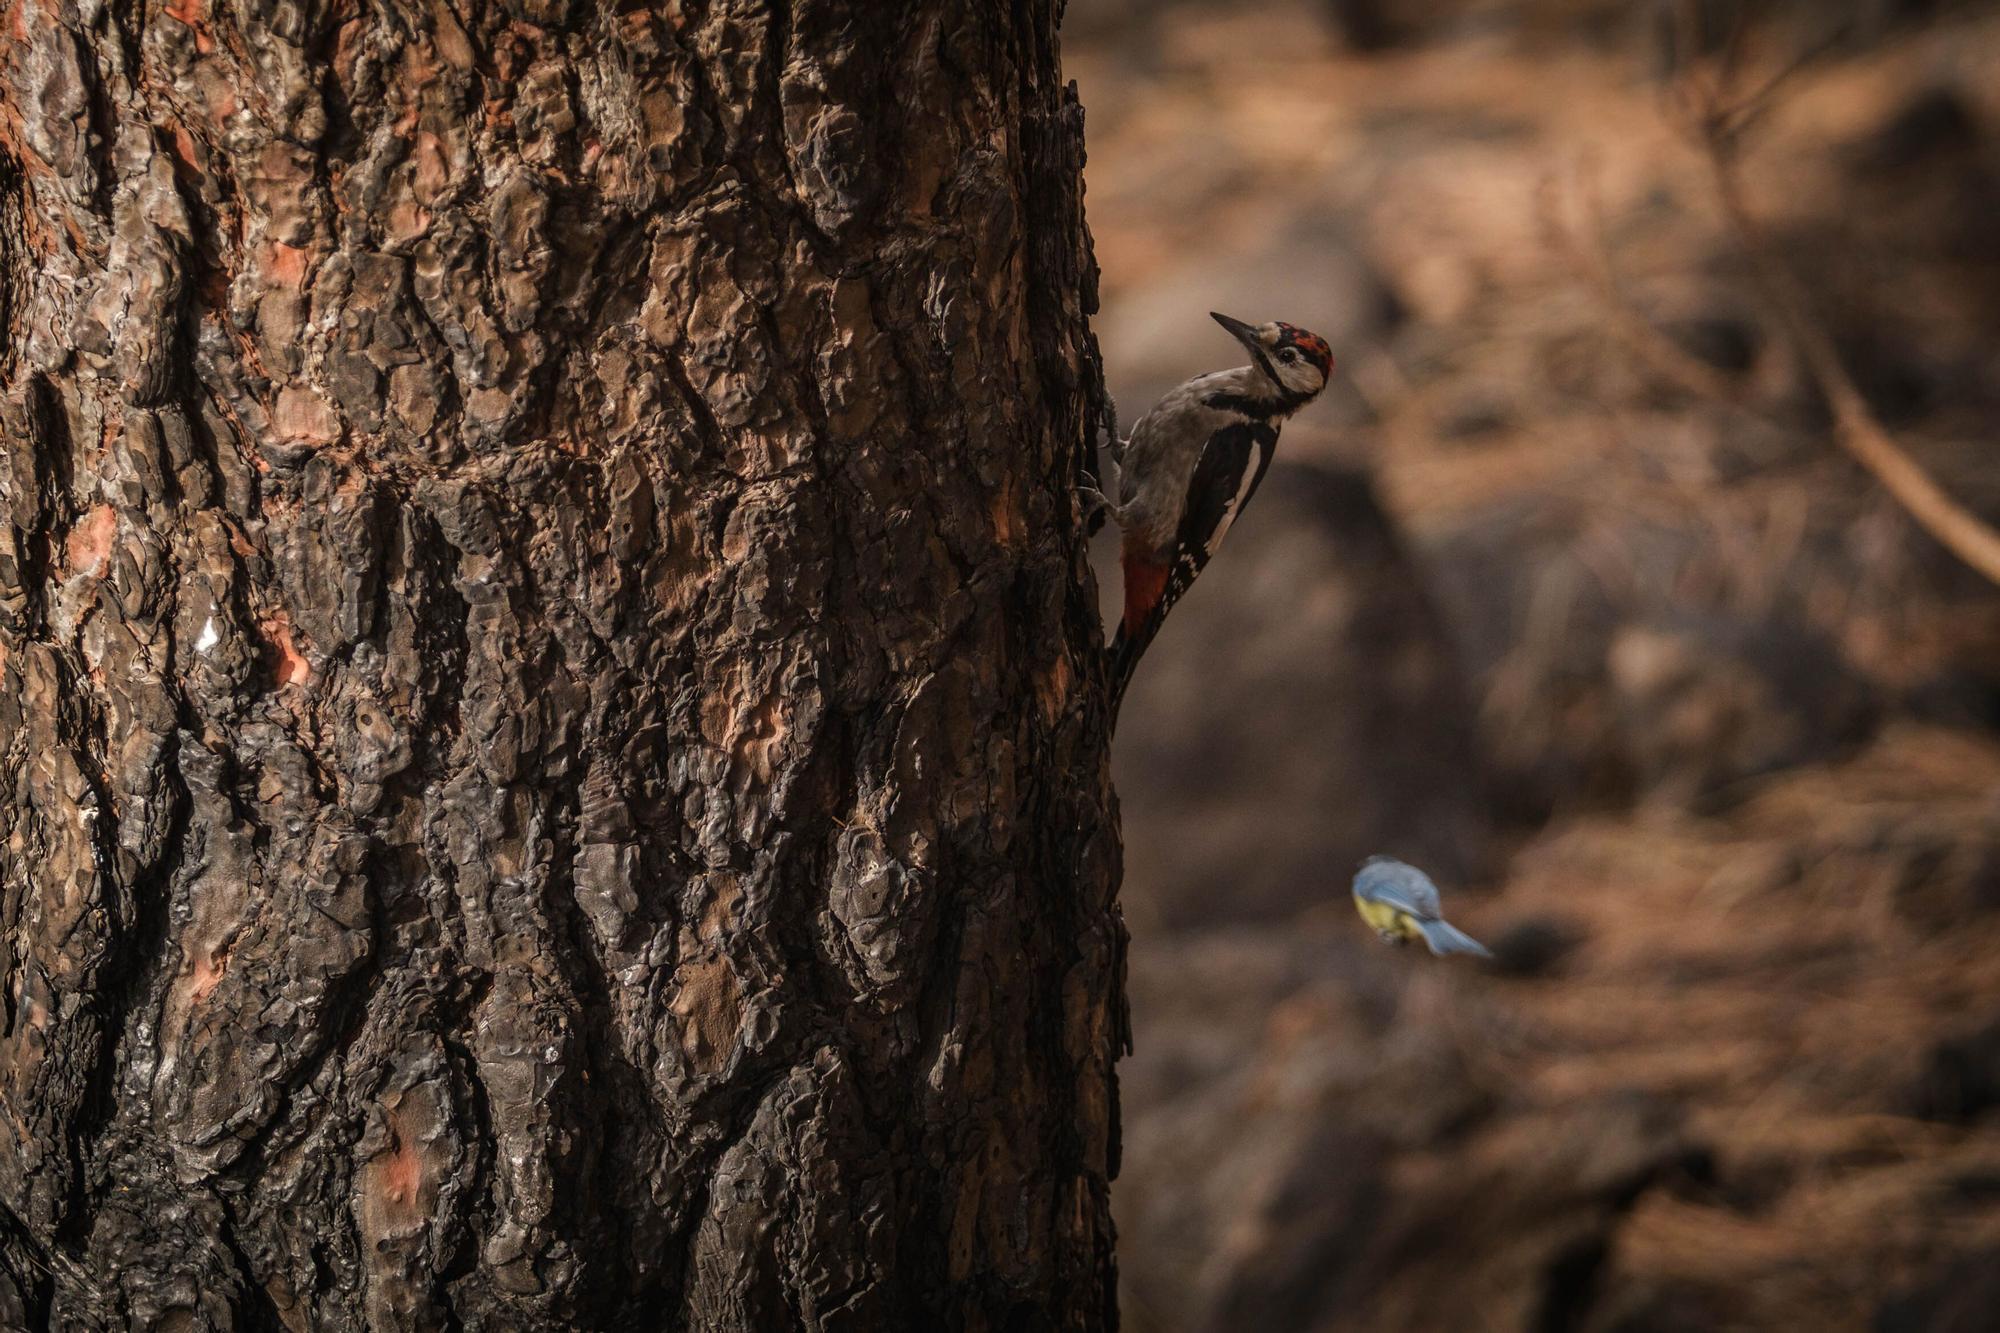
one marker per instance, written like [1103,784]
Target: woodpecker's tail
[1444,938]
[1125,651]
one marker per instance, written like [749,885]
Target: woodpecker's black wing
[1231,467]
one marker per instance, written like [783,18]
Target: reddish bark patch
[399,1190]
[429,173]
[286,266]
[708,1001]
[305,416]
[288,665]
[720,915]
[240,543]
[402,1169]
[212,289]
[206,975]
[191,13]
[1009,525]
[407,221]
[450,38]
[347,47]
[1052,688]
[186,154]
[89,543]
[757,736]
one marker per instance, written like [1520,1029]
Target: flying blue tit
[1402,904]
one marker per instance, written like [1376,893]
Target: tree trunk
[554,772]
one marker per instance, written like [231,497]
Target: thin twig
[1859,431]
[1714,124]
[1959,530]
[1590,253]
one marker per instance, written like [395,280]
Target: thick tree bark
[551,764]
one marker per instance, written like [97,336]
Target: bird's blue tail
[1444,938]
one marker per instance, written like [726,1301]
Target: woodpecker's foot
[1095,503]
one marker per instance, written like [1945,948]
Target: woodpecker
[1190,465]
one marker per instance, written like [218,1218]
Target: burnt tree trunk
[552,772]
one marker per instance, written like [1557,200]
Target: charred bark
[552,771]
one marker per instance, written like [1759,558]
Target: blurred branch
[1715,124]
[1856,426]
[1590,252]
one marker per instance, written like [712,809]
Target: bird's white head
[1296,361]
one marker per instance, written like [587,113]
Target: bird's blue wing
[1403,887]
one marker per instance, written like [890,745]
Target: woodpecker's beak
[1242,332]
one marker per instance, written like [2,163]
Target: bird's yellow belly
[1387,919]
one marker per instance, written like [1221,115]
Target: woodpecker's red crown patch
[1311,344]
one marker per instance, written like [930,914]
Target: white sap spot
[208,638]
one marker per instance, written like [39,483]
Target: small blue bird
[1401,903]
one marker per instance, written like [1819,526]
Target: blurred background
[1567,592]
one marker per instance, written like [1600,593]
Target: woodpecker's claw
[1095,503]
[1097,506]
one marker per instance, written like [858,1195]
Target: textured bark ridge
[551,773]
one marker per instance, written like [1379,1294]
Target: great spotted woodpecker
[1190,465]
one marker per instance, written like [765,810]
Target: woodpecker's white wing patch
[1252,474]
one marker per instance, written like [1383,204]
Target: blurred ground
[1695,727]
